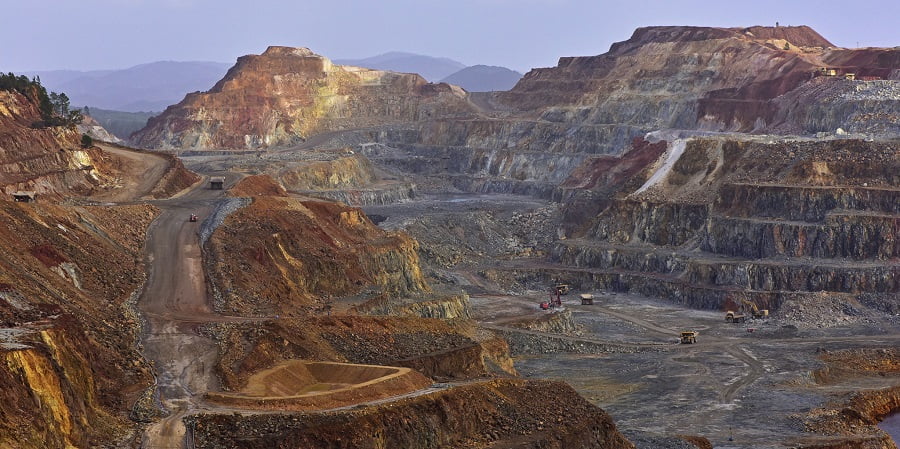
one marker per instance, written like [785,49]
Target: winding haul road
[174,303]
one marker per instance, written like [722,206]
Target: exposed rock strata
[95,130]
[71,369]
[47,160]
[852,414]
[738,219]
[438,349]
[285,95]
[713,78]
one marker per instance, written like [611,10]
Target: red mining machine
[555,300]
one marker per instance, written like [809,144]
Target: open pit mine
[690,241]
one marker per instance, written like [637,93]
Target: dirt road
[173,302]
[141,171]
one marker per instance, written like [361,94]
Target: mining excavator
[747,307]
[553,302]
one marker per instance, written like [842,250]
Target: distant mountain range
[484,78]
[431,68]
[476,78]
[145,87]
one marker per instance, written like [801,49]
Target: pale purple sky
[519,34]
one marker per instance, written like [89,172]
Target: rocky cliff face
[93,128]
[70,368]
[716,220]
[285,95]
[439,349]
[530,139]
[692,77]
[46,160]
[854,413]
[695,79]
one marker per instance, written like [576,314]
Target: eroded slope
[286,95]
[72,369]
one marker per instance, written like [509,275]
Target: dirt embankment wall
[853,417]
[281,255]
[67,339]
[502,413]
[298,385]
[49,392]
[855,420]
[48,160]
[439,349]
[176,179]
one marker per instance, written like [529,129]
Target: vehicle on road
[689,337]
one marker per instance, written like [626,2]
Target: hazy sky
[520,34]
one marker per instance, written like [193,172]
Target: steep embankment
[51,160]
[282,256]
[71,370]
[286,95]
[530,139]
[853,413]
[694,77]
[717,220]
[306,259]
[436,348]
[44,160]
[297,257]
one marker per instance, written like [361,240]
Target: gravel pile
[223,209]
[879,90]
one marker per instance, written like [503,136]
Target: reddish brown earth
[437,348]
[853,412]
[283,256]
[304,260]
[741,71]
[302,386]
[797,226]
[44,160]
[68,277]
[66,273]
[257,185]
[496,414]
[286,95]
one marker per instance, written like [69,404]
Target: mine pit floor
[749,386]
[746,385]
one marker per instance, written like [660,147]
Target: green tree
[86,141]
[54,107]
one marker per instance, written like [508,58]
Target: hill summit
[287,94]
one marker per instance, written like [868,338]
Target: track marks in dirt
[754,371]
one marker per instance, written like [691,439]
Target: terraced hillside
[736,220]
